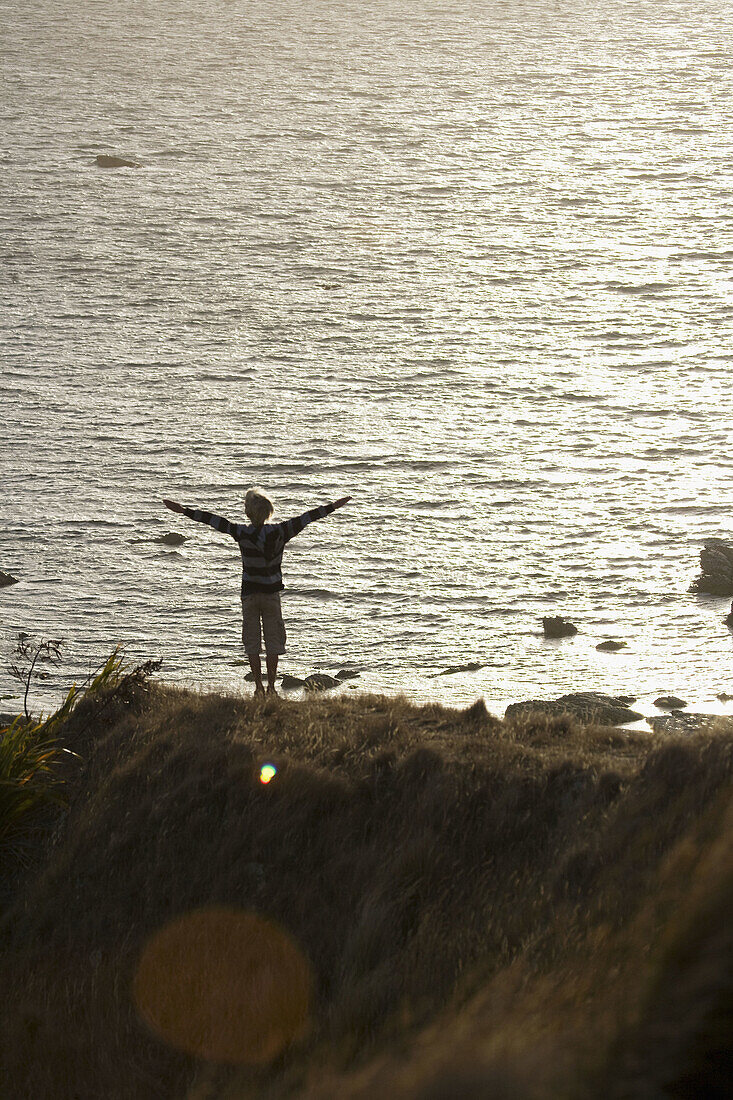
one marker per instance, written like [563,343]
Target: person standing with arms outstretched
[261,545]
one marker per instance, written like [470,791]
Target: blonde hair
[257,506]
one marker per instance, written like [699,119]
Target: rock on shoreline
[588,706]
[670,702]
[291,683]
[679,722]
[320,681]
[316,681]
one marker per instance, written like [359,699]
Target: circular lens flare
[267,772]
[224,984]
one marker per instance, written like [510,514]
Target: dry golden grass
[529,910]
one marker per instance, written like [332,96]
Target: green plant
[27,781]
[29,749]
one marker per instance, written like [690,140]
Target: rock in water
[6,579]
[105,160]
[716,561]
[320,681]
[347,674]
[555,626]
[588,706]
[669,702]
[470,666]
[728,620]
[172,538]
[611,645]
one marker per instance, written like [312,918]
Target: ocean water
[470,263]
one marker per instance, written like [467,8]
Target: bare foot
[259,691]
[271,689]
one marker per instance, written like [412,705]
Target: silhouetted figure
[261,545]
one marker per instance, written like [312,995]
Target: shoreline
[363,682]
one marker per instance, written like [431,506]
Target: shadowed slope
[419,856]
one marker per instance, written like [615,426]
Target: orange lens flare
[225,985]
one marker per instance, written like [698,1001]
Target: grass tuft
[28,754]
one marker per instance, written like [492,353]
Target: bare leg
[256,665]
[271,660]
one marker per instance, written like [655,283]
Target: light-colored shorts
[263,608]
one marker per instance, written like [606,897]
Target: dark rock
[588,706]
[7,719]
[6,579]
[728,620]
[555,626]
[347,674]
[291,683]
[679,722]
[724,697]
[320,681]
[172,539]
[669,702]
[716,561]
[611,645]
[287,683]
[105,160]
[471,666]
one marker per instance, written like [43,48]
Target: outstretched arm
[210,518]
[291,527]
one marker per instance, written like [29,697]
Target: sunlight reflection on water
[471,266]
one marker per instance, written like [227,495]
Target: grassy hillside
[485,909]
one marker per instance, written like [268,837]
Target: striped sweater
[261,547]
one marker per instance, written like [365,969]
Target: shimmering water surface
[470,263]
